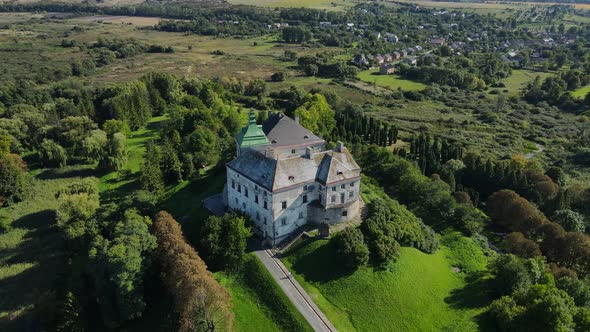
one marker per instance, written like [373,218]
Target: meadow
[392,82]
[519,79]
[316,4]
[419,292]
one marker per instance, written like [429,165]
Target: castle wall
[236,188]
[290,207]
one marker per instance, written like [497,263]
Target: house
[391,38]
[386,69]
[379,59]
[283,178]
[418,48]
[411,60]
[325,24]
[388,57]
[437,41]
[403,53]
[360,60]
[396,55]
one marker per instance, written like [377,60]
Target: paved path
[295,292]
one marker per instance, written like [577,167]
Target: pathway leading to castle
[295,292]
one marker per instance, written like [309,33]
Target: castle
[283,178]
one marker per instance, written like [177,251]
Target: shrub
[570,220]
[351,248]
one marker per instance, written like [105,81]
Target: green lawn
[250,315]
[392,82]
[520,77]
[419,292]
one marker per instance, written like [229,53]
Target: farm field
[392,82]
[419,292]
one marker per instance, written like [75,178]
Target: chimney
[308,152]
[296,118]
[339,146]
[270,153]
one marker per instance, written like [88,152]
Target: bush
[278,77]
[570,220]
[351,248]
[5,226]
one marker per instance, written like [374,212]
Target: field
[419,292]
[317,4]
[392,82]
[520,77]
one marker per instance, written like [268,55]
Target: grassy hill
[419,292]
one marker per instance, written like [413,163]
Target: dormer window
[338,172]
[291,177]
[305,136]
[274,142]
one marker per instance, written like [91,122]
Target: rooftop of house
[282,131]
[325,167]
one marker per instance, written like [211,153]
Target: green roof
[252,134]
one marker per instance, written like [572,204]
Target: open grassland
[31,256]
[419,292]
[250,314]
[519,79]
[392,82]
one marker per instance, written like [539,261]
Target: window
[343,186]
[257,215]
[265,205]
[246,192]
[333,198]
[265,220]
[304,199]
[300,215]
[351,194]
[334,188]
[237,202]
[244,206]
[233,184]
[352,184]
[256,199]
[305,188]
[283,205]
[264,194]
[320,198]
[344,213]
[342,197]
[293,151]
[284,221]
[239,188]
[255,187]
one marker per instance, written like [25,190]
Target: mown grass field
[392,82]
[419,292]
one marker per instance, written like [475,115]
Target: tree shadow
[318,265]
[477,293]
[67,172]
[31,268]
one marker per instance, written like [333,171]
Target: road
[295,292]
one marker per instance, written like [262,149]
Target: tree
[13,178]
[118,268]
[351,248]
[114,156]
[151,176]
[200,301]
[278,76]
[224,241]
[577,289]
[513,273]
[516,243]
[93,145]
[311,69]
[571,221]
[76,203]
[317,115]
[52,154]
